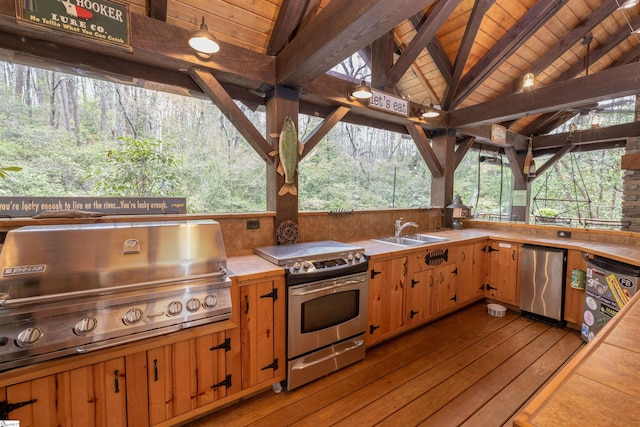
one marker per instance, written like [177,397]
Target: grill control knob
[358,256]
[132,316]
[210,301]
[296,265]
[193,305]
[174,308]
[85,325]
[29,337]
[350,257]
[306,265]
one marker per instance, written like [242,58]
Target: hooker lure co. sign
[98,20]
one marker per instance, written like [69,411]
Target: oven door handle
[356,344]
[297,293]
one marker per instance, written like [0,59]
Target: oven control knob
[350,257]
[174,308]
[296,266]
[358,256]
[132,316]
[193,305]
[210,301]
[306,265]
[29,337]
[85,325]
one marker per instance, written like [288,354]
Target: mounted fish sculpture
[289,149]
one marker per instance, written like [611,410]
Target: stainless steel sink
[412,240]
[426,238]
[402,241]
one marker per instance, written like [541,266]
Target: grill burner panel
[101,285]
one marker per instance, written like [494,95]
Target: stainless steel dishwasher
[542,278]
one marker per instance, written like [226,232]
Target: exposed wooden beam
[586,137]
[607,84]
[435,49]
[291,12]
[552,161]
[603,49]
[515,164]
[480,8]
[323,129]
[482,134]
[231,111]
[427,153]
[425,33]
[382,61]
[534,19]
[157,9]
[463,148]
[574,36]
[342,28]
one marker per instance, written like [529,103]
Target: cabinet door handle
[246,304]
[413,313]
[489,287]
[513,255]
[414,282]
[455,271]
[116,380]
[155,369]
[375,273]
[372,328]
[455,298]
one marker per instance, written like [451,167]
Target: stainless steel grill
[69,289]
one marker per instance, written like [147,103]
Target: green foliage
[137,168]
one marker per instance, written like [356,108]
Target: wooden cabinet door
[419,297]
[262,328]
[386,298]
[471,272]
[503,275]
[186,375]
[446,287]
[93,395]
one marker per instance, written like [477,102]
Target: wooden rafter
[463,147]
[424,35]
[607,84]
[427,153]
[323,129]
[157,9]
[436,51]
[291,12]
[336,33]
[586,137]
[568,41]
[231,111]
[480,8]
[533,20]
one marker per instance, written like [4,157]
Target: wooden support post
[283,102]
[444,145]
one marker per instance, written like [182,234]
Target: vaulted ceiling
[467,56]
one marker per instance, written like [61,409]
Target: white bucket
[497,310]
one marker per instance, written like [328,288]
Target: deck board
[468,367]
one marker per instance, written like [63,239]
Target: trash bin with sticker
[609,286]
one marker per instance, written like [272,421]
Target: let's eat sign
[98,20]
[384,101]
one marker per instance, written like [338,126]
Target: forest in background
[74,136]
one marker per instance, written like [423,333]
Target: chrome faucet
[399,226]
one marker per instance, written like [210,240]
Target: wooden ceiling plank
[323,129]
[463,148]
[289,17]
[574,36]
[427,31]
[427,153]
[157,9]
[531,22]
[616,82]
[471,30]
[231,111]
[338,31]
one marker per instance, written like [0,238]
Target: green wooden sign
[99,20]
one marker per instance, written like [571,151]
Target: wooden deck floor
[467,369]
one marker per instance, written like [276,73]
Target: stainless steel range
[68,289]
[327,297]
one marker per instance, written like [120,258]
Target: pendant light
[203,42]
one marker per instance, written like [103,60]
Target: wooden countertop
[600,386]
